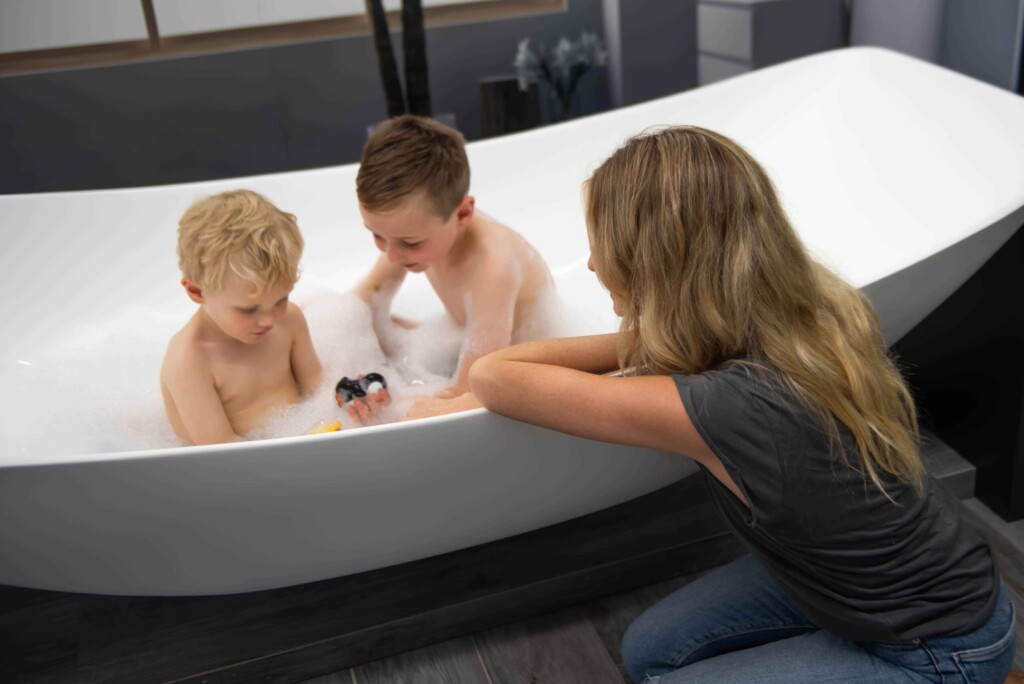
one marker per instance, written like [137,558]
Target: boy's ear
[194,292]
[464,212]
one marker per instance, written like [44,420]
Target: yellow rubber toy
[324,426]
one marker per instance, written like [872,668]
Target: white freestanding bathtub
[902,176]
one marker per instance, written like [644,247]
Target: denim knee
[638,656]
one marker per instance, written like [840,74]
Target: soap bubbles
[96,389]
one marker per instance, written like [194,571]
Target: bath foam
[98,386]
[341,327]
[100,382]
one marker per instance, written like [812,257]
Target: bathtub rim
[270,443]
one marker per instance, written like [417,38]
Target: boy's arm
[490,313]
[305,363]
[190,383]
[377,290]
[490,310]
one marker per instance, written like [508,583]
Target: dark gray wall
[658,41]
[913,27]
[980,38]
[248,111]
[983,39]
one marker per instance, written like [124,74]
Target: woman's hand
[425,407]
[509,377]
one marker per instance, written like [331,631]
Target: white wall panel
[181,17]
[45,24]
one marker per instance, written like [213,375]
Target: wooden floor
[580,645]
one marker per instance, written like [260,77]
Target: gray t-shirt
[854,562]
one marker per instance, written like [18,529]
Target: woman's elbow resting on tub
[528,383]
[508,377]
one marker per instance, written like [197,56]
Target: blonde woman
[770,372]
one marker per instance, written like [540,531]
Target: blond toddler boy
[247,349]
[413,191]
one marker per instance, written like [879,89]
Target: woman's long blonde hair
[687,228]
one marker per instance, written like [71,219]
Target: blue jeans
[736,625]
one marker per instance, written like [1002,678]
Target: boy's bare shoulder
[185,355]
[499,242]
[294,320]
[294,313]
[504,250]
[494,263]
[493,225]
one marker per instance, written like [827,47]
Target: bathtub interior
[880,160]
[81,372]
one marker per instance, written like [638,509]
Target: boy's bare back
[493,264]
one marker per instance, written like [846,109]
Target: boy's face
[413,235]
[237,311]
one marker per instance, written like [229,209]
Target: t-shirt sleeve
[735,424]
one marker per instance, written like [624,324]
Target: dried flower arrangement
[561,67]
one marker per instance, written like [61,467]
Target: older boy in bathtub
[247,349]
[413,191]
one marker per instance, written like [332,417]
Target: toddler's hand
[364,409]
[361,404]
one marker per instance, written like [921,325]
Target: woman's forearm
[592,353]
[504,373]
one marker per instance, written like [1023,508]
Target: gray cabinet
[735,36]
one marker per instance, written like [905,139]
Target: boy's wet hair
[409,154]
[240,232]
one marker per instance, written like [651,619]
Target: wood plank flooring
[581,645]
[572,646]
